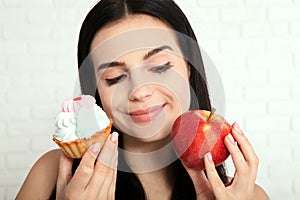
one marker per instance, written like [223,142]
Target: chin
[162,136]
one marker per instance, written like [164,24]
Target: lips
[147,114]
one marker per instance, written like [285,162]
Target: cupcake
[80,124]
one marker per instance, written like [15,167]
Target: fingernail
[95,148]
[114,137]
[237,128]
[230,138]
[208,156]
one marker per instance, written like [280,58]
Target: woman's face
[142,78]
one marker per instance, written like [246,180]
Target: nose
[141,94]
[140,85]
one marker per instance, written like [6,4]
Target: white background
[255,45]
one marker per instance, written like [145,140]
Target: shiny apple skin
[193,136]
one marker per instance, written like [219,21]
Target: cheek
[180,87]
[184,70]
[105,97]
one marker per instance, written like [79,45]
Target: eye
[160,69]
[112,81]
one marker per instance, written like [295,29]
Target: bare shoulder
[259,193]
[41,179]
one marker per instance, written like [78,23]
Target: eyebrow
[110,64]
[145,57]
[156,51]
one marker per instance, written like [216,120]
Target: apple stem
[211,114]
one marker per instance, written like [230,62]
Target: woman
[133,80]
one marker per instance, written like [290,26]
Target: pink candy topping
[75,104]
[77,99]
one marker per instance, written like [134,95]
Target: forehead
[136,32]
[130,23]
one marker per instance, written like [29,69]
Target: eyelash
[110,82]
[161,69]
[158,69]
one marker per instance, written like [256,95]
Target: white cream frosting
[65,126]
[89,121]
[80,124]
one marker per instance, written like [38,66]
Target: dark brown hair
[106,11]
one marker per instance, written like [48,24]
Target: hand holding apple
[198,132]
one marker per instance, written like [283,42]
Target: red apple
[197,132]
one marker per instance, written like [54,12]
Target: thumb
[64,174]
[201,184]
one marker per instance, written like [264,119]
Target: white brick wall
[255,45]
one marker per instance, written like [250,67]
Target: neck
[144,157]
[152,162]
[158,184]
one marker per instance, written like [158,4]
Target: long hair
[128,185]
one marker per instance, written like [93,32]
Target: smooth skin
[98,181]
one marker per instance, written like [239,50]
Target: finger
[236,154]
[245,145]
[244,173]
[109,149]
[105,167]
[85,169]
[113,180]
[216,183]
[64,174]
[112,188]
[109,184]
[201,184]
